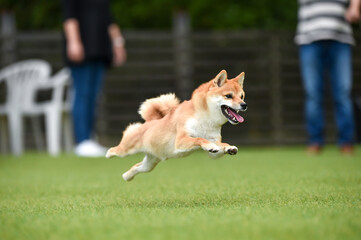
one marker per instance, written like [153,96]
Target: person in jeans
[92,42]
[324,35]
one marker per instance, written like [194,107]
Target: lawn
[261,193]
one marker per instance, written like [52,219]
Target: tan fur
[157,108]
[172,129]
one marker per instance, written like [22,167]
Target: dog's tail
[157,108]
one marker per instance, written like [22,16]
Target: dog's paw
[212,148]
[109,154]
[127,176]
[231,150]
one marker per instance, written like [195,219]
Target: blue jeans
[87,83]
[333,58]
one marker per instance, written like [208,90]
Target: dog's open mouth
[232,115]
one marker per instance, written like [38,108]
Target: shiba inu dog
[173,129]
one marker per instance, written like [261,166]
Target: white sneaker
[90,148]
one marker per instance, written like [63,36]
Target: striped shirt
[323,20]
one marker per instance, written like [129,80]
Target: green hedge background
[157,14]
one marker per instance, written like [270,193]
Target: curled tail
[157,108]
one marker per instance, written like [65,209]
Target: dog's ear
[221,78]
[240,78]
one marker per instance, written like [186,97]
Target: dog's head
[226,97]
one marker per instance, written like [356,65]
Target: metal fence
[168,61]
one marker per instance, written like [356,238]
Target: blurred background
[173,46]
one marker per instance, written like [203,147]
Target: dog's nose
[243,106]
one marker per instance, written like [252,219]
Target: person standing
[92,42]
[325,37]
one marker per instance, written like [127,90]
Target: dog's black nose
[243,106]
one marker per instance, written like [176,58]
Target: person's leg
[81,76]
[96,81]
[312,69]
[341,84]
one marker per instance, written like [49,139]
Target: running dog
[173,129]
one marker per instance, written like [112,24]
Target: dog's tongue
[236,115]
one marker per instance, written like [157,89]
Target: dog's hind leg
[131,142]
[148,164]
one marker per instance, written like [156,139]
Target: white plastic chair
[56,111]
[24,79]
[18,78]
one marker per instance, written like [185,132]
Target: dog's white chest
[203,129]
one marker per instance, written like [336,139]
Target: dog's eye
[229,96]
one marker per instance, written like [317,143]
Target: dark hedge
[157,14]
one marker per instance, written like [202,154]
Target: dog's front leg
[184,143]
[231,150]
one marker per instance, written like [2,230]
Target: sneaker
[90,148]
[314,149]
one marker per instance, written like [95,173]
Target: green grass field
[261,193]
